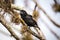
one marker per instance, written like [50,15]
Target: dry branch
[35,13]
[8,27]
[25,33]
[33,33]
[56,24]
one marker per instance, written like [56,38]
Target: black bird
[28,19]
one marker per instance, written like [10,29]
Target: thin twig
[55,1]
[33,33]
[35,6]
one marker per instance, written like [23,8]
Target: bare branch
[38,36]
[35,6]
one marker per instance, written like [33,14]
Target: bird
[28,19]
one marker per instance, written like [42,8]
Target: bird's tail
[37,27]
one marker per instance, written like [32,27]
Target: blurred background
[50,30]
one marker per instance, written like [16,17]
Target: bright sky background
[47,6]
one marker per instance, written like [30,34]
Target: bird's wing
[29,16]
[30,19]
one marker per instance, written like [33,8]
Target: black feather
[28,19]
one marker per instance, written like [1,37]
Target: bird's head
[23,12]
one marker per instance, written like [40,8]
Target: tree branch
[33,33]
